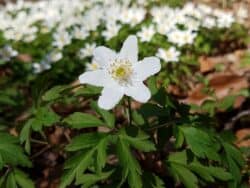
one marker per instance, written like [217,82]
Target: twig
[39,141]
[40,152]
[229,125]
[160,126]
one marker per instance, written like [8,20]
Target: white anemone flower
[121,74]
[87,51]
[170,55]
[146,33]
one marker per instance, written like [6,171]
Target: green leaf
[200,143]
[152,85]
[44,117]
[108,117]
[227,102]
[22,179]
[234,153]
[130,167]
[152,181]
[202,171]
[10,182]
[185,175]
[137,118]
[96,143]
[140,141]
[234,160]
[101,156]
[85,141]
[220,173]
[76,168]
[90,179]
[178,157]
[88,91]
[179,138]
[25,134]
[11,153]
[80,120]
[54,93]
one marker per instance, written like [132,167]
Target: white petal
[147,67]
[103,55]
[96,78]
[130,49]
[139,92]
[109,98]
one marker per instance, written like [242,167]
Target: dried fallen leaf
[206,64]
[26,58]
[225,84]
[243,139]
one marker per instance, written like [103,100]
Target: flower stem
[129,114]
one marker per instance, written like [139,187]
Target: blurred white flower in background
[61,39]
[7,52]
[132,15]
[80,33]
[209,22]
[87,51]
[224,19]
[170,55]
[146,33]
[181,37]
[104,19]
[55,56]
[40,67]
[121,74]
[112,30]
[242,14]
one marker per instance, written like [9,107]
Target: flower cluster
[69,20]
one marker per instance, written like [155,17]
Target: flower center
[121,71]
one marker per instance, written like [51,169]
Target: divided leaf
[201,143]
[131,169]
[108,117]
[80,120]
[11,153]
[92,148]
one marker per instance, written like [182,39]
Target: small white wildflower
[80,33]
[209,22]
[146,33]
[87,51]
[224,19]
[180,37]
[111,30]
[61,39]
[170,55]
[41,67]
[55,56]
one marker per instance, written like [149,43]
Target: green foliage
[92,148]
[11,153]
[108,117]
[201,144]
[186,170]
[54,93]
[15,179]
[99,148]
[79,120]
